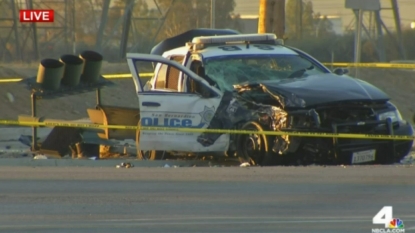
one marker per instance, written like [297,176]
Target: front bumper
[384,151]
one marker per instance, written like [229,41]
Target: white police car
[222,79]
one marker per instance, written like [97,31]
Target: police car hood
[316,90]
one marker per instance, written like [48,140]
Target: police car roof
[213,51]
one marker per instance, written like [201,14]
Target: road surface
[208,199]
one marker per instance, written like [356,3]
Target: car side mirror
[341,71]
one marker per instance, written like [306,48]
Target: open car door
[175,108]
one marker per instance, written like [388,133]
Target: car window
[172,74]
[161,77]
[192,85]
[227,71]
[168,76]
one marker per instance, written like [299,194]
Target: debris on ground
[40,157]
[167,166]
[125,165]
[26,140]
[10,97]
[409,159]
[245,164]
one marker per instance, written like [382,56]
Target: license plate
[363,156]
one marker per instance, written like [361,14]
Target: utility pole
[102,25]
[16,32]
[126,26]
[358,8]
[272,17]
[73,27]
[358,38]
[29,5]
[398,27]
[380,41]
[212,14]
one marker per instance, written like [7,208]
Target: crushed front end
[287,112]
[369,118]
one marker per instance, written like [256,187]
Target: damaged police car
[226,80]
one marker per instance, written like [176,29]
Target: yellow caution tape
[340,64]
[10,80]
[108,76]
[373,65]
[367,65]
[200,130]
[116,76]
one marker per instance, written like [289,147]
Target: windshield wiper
[300,72]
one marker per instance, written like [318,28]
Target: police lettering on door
[159,120]
[184,120]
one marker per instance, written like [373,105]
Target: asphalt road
[210,199]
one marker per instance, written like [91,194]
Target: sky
[337,7]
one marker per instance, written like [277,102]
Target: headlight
[394,115]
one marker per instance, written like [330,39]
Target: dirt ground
[15,99]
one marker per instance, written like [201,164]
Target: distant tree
[369,53]
[236,22]
[87,15]
[308,19]
[312,24]
[7,49]
[180,18]
[292,9]
[408,41]
[142,28]
[323,26]
[187,14]
[224,13]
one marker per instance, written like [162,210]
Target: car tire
[253,148]
[147,155]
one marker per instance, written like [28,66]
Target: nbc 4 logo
[385,217]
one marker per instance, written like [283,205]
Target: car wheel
[252,148]
[148,154]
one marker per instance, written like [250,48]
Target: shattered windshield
[227,71]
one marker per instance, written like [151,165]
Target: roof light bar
[234,38]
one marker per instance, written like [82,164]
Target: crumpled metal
[234,110]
